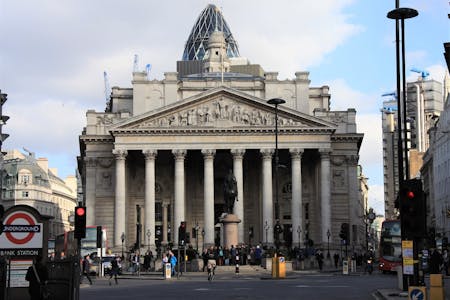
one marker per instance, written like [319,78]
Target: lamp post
[203,238]
[276,102]
[196,235]
[401,14]
[266,228]
[328,245]
[299,232]
[122,237]
[149,233]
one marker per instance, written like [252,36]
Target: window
[25,194]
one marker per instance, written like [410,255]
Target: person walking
[173,262]
[165,260]
[114,269]
[205,258]
[85,271]
[136,260]
[336,260]
[435,262]
[37,275]
[319,257]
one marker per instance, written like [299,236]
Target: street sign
[417,293]
[21,231]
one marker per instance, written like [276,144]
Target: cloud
[376,198]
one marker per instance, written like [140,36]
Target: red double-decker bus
[390,246]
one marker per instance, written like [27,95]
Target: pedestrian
[37,275]
[85,271]
[258,255]
[445,258]
[173,262]
[336,259]
[165,260]
[114,269]
[205,259]
[435,261]
[136,263]
[319,257]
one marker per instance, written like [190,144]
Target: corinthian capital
[296,153]
[179,153]
[120,154]
[208,153]
[266,153]
[237,153]
[150,153]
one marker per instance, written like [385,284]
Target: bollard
[436,287]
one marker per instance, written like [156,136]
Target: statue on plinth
[230,191]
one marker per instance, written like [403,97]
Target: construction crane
[148,68]
[136,63]
[107,87]
[391,108]
[423,73]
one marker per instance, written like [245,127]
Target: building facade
[29,181]
[159,154]
[424,103]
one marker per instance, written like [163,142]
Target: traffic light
[344,232]
[3,119]
[182,234]
[80,222]
[2,212]
[99,237]
[412,209]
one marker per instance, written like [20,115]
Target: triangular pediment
[220,109]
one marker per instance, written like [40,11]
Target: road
[245,286]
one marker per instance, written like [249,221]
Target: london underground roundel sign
[21,230]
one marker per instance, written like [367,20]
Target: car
[106,262]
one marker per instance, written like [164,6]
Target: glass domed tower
[210,20]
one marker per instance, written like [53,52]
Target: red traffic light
[410,194]
[80,211]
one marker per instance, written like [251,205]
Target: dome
[210,20]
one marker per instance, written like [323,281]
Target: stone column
[150,155]
[267,211]
[355,209]
[120,203]
[296,203]
[91,164]
[165,224]
[238,210]
[179,203]
[326,193]
[208,190]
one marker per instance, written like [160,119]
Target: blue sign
[416,294]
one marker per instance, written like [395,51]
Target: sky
[53,55]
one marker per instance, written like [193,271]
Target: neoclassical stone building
[159,154]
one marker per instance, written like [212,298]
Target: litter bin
[167,271]
[278,267]
[345,267]
[281,267]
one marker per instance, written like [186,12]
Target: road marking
[323,286]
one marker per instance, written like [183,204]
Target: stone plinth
[230,230]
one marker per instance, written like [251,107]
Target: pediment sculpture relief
[224,111]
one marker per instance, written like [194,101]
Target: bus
[390,246]
[67,243]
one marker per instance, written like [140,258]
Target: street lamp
[122,237]
[276,102]
[299,232]
[401,14]
[328,246]
[149,233]
[203,237]
[266,228]
[196,234]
